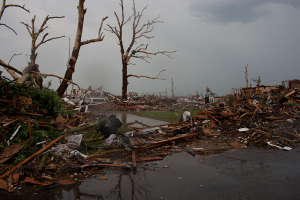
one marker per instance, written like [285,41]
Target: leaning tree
[141,52]
[78,43]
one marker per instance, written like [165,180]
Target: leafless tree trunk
[78,43]
[6,6]
[138,32]
[246,75]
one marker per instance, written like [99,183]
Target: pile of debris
[267,120]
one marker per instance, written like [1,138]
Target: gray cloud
[228,11]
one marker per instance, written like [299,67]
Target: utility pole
[172,88]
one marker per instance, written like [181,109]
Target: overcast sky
[214,40]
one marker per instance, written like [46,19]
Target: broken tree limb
[10,67]
[100,35]
[11,72]
[31,157]
[13,56]
[147,76]
[3,7]
[56,77]
[149,159]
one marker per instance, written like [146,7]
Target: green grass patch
[163,115]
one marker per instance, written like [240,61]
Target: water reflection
[126,117]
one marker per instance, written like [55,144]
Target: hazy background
[214,40]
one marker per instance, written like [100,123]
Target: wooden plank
[290,93]
[31,157]
[149,159]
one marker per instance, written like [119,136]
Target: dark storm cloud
[227,11]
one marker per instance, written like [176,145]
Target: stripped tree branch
[1,24]
[3,7]
[57,77]
[10,67]
[147,76]
[13,56]
[100,37]
[35,34]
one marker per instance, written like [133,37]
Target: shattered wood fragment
[93,139]
[290,93]
[133,159]
[15,179]
[3,185]
[33,181]
[5,125]
[149,159]
[66,182]
[260,131]
[10,152]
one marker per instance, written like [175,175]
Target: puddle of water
[234,174]
[126,117]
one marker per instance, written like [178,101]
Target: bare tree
[78,43]
[4,6]
[34,33]
[141,50]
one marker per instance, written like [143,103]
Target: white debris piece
[185,115]
[13,135]
[283,148]
[68,101]
[110,139]
[243,129]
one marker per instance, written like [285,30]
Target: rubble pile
[59,149]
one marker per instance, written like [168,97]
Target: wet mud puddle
[232,174]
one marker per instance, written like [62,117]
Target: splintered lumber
[290,93]
[260,131]
[133,159]
[31,157]
[99,152]
[5,125]
[149,159]
[111,165]
[257,108]
[92,139]
[168,140]
[81,128]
